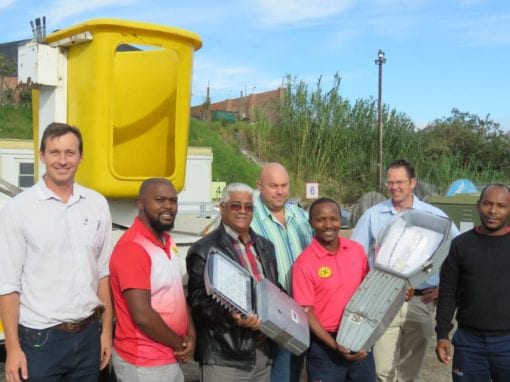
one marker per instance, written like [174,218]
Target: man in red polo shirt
[154,327]
[324,278]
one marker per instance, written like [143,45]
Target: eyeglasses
[237,207]
[397,183]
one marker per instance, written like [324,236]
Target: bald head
[501,186]
[150,183]
[494,209]
[273,185]
[272,169]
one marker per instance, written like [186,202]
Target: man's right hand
[16,366]
[443,351]
[349,355]
[186,355]
[250,321]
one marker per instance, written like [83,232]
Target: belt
[420,292]
[77,326]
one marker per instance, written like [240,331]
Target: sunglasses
[237,207]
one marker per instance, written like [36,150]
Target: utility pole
[380,61]
[208,102]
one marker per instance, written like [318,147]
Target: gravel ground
[433,371]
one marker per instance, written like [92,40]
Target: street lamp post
[380,61]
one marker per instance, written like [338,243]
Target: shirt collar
[147,233]
[44,193]
[387,205]
[320,251]
[235,235]
[266,212]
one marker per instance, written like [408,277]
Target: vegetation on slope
[15,121]
[229,164]
[322,137]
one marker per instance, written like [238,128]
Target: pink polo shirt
[326,281]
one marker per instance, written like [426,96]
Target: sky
[440,54]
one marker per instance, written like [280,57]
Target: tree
[475,146]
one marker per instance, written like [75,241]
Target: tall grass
[320,136]
[326,139]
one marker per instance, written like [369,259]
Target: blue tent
[462,186]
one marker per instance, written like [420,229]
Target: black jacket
[219,340]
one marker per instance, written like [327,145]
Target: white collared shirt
[54,253]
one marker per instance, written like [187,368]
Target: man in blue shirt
[399,353]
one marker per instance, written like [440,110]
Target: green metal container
[461,208]
[224,116]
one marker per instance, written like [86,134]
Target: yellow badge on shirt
[174,250]
[324,272]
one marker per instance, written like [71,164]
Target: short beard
[490,229]
[157,226]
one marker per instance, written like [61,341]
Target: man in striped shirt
[286,225]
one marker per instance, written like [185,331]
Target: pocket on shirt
[89,234]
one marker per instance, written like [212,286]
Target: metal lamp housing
[410,248]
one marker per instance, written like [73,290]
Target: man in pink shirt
[324,278]
[154,328]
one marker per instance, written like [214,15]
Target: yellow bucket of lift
[129,91]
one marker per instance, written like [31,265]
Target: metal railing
[202,209]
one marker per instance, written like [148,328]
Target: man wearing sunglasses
[229,346]
[400,352]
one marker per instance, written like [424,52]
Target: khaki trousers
[400,352]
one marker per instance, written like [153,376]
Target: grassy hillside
[229,165]
[15,122]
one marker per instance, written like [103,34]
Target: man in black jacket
[229,346]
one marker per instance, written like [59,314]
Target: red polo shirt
[326,281]
[140,261]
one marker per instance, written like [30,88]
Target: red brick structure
[8,83]
[246,107]
[9,89]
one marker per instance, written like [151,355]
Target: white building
[17,162]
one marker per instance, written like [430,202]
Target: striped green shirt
[289,240]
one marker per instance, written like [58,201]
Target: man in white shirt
[55,242]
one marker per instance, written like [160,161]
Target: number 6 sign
[312,190]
